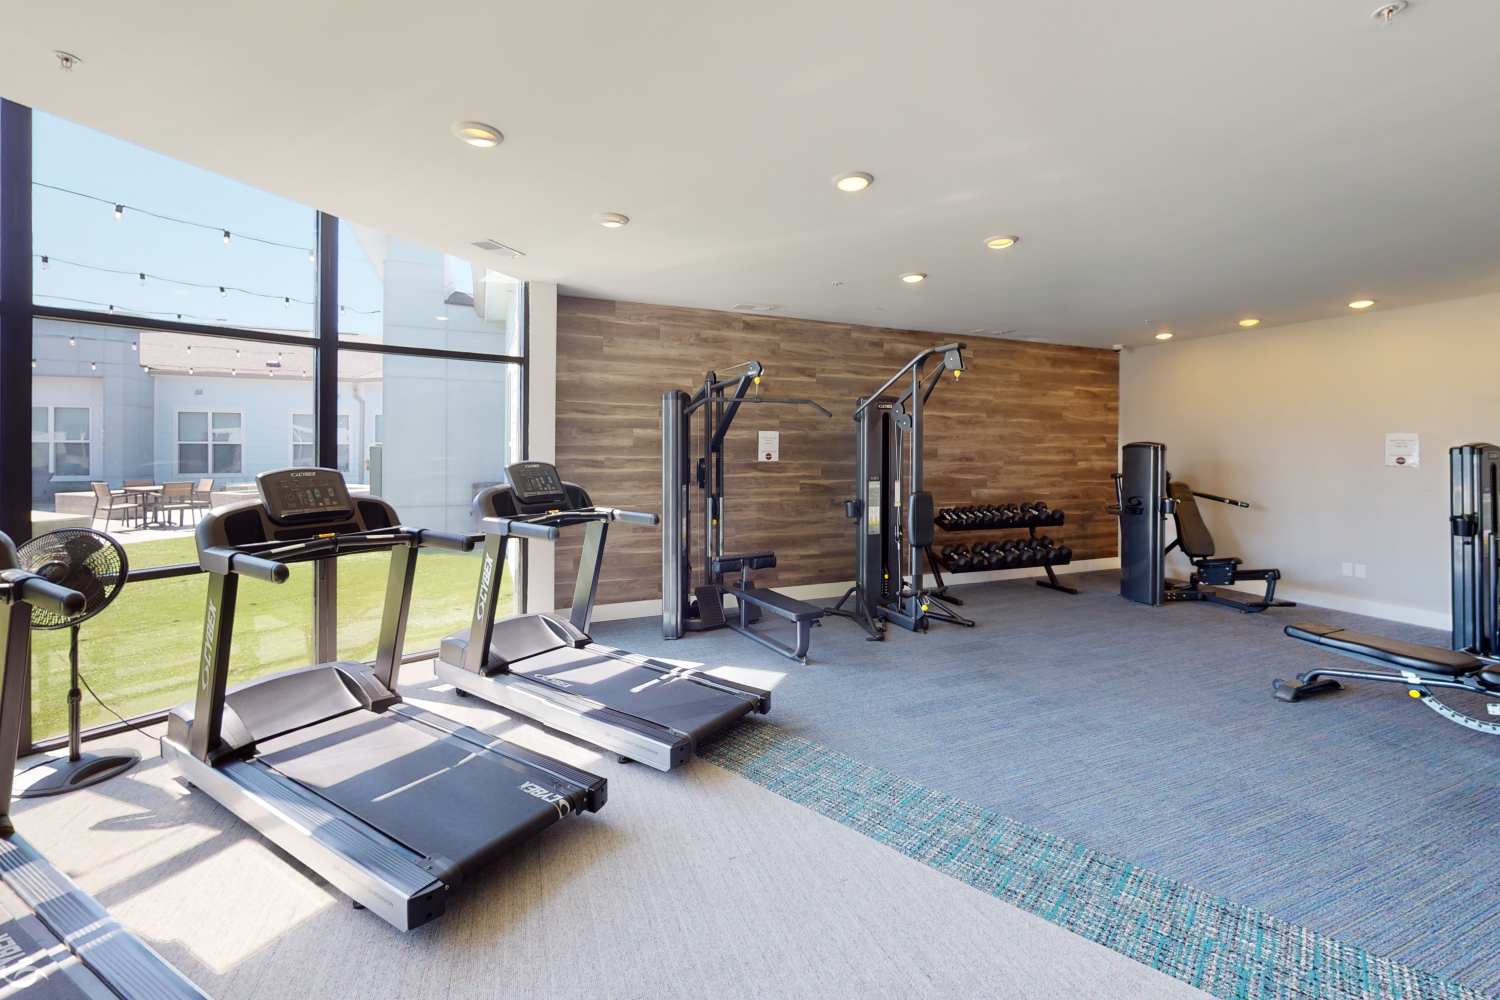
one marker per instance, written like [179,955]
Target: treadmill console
[292,495]
[537,484]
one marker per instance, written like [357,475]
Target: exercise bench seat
[1401,655]
[802,615]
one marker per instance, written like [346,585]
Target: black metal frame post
[15,320]
[590,562]
[326,424]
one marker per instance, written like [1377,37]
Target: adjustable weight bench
[752,600]
[1421,668]
[1209,571]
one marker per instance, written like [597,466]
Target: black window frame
[19,311]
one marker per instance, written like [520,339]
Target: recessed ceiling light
[1164,335]
[1249,321]
[478,134]
[1002,242]
[913,277]
[613,220]
[1361,303]
[853,181]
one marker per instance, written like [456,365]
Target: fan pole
[75,700]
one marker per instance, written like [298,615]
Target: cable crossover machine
[689,608]
[893,528]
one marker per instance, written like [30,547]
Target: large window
[61,441]
[120,229]
[173,359]
[209,442]
[304,441]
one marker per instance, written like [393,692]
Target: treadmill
[549,669]
[391,804]
[56,941]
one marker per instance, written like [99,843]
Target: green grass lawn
[141,654]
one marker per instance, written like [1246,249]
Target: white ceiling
[1174,163]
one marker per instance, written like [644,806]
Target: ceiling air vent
[495,246]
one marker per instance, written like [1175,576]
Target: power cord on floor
[105,705]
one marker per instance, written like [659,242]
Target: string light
[234,371]
[226,237]
[135,345]
[223,292]
[191,370]
[141,276]
[119,208]
[72,341]
[93,367]
[312,257]
[33,362]
[190,348]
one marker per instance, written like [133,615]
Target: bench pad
[1407,655]
[779,604]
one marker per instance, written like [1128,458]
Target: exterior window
[60,441]
[209,443]
[304,451]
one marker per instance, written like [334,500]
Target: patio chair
[176,498]
[203,494]
[123,504]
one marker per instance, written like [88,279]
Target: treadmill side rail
[122,962]
[381,875]
[620,734]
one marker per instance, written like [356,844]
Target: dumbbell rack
[1030,524]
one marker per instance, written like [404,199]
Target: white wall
[541,341]
[1294,419]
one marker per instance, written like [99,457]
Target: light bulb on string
[312,257]
[143,277]
[45,262]
[234,371]
[93,367]
[72,341]
[190,370]
[33,362]
[223,292]
[135,345]
[119,212]
[226,237]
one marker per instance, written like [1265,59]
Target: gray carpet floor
[698,883]
[1151,733]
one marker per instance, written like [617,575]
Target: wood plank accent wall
[1027,421]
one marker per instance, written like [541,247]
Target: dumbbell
[1013,515]
[991,555]
[958,558]
[946,519]
[968,517]
[1061,554]
[1054,517]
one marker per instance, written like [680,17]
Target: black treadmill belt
[441,796]
[672,700]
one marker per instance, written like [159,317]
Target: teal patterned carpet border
[1206,941]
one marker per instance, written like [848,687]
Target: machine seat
[1402,655]
[779,604]
[744,560]
[1192,534]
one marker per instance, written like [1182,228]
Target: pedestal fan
[94,564]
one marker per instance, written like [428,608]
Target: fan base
[59,774]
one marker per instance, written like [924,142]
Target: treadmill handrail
[519,528]
[39,592]
[255,559]
[547,526]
